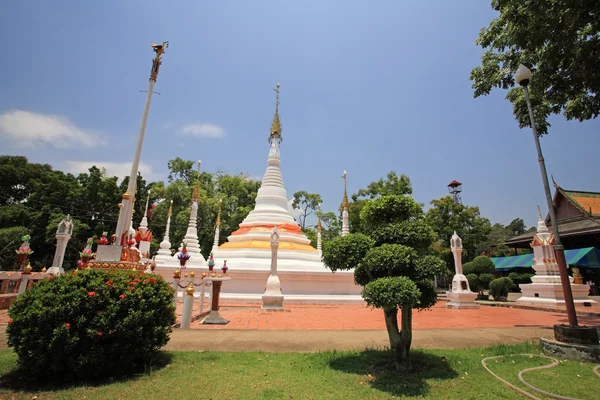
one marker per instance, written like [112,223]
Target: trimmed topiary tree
[91,323]
[515,278]
[500,287]
[397,273]
[482,268]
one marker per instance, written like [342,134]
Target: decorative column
[273,299]
[460,296]
[176,278]
[143,235]
[546,286]
[345,225]
[188,305]
[25,275]
[126,211]
[63,235]
[319,229]
[217,227]
[164,253]
[215,317]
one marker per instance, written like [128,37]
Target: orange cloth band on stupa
[289,228]
[262,244]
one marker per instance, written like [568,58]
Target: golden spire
[219,214]
[170,209]
[319,226]
[276,124]
[345,199]
[196,192]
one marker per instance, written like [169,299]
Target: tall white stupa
[302,273]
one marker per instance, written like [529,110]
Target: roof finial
[147,199]
[276,124]
[219,214]
[170,209]
[553,181]
[196,192]
[319,226]
[345,198]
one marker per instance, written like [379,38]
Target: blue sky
[366,87]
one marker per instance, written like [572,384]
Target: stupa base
[552,294]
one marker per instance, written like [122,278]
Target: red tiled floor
[352,317]
[356,317]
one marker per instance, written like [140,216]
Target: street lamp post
[523,77]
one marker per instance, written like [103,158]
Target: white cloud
[203,130]
[28,129]
[120,170]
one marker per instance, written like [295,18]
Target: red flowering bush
[91,323]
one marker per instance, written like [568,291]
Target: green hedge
[500,287]
[91,323]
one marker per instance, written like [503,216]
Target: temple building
[578,216]
[303,276]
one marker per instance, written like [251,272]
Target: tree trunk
[398,343]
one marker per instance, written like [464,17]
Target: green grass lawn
[437,374]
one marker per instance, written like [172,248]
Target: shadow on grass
[378,369]
[22,381]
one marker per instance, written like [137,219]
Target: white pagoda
[303,276]
[546,287]
[196,260]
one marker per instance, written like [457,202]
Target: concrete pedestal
[461,296]
[464,300]
[273,299]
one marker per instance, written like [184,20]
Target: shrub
[500,287]
[526,278]
[91,323]
[474,282]
[486,279]
[483,265]
[515,278]
[468,268]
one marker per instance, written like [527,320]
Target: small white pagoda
[196,260]
[546,286]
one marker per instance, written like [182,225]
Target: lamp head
[523,75]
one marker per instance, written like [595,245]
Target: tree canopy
[559,41]
[446,216]
[35,197]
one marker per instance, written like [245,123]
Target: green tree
[393,264]
[494,243]
[516,227]
[307,203]
[559,41]
[390,186]
[447,216]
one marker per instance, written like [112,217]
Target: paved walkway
[341,327]
[356,317]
